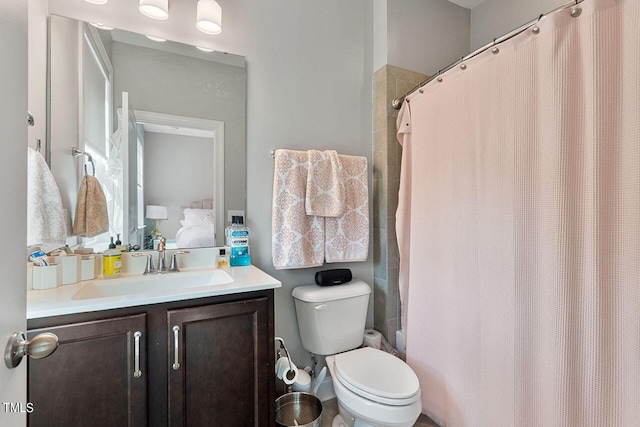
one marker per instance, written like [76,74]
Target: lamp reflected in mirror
[156,213]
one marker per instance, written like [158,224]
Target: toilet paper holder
[286,352]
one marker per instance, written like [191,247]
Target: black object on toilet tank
[332,277]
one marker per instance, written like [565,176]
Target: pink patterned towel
[297,238]
[325,187]
[347,236]
[300,240]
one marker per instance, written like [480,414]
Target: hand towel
[347,236]
[325,187]
[91,209]
[297,238]
[45,214]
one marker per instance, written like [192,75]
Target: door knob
[40,346]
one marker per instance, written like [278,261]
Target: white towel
[297,238]
[45,214]
[347,236]
[325,187]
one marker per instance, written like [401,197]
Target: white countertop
[60,300]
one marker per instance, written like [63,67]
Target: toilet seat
[377,376]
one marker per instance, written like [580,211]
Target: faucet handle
[174,260]
[148,268]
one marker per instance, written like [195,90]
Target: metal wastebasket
[298,409]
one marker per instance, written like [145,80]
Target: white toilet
[373,388]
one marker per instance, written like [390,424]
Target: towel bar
[75,152]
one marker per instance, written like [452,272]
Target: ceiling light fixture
[209,17]
[205,49]
[155,9]
[97,1]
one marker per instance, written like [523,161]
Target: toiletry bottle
[112,245]
[111,262]
[238,240]
[222,260]
[119,245]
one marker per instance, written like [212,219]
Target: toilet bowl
[374,389]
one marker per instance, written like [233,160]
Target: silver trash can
[298,409]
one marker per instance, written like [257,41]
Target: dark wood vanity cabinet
[204,362]
[217,377]
[90,379]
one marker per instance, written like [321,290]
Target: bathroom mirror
[178,138]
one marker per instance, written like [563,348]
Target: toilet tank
[331,319]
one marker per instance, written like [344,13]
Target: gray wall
[494,18]
[426,35]
[310,80]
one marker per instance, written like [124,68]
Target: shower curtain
[519,228]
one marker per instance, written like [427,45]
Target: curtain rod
[397,102]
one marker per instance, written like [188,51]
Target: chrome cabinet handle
[137,373]
[40,346]
[176,359]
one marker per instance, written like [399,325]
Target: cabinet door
[220,373]
[92,378]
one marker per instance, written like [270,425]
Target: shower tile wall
[389,82]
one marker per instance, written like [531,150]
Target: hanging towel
[325,187]
[347,236]
[45,214]
[91,209]
[297,238]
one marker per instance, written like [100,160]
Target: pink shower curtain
[520,281]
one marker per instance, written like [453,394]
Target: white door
[13,185]
[129,150]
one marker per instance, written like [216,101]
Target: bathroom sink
[155,284]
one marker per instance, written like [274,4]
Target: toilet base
[338,421]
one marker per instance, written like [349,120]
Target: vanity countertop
[64,299]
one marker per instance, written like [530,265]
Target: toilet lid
[377,375]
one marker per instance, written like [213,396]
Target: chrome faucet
[174,260]
[148,268]
[162,262]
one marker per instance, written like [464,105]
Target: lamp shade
[209,17]
[155,9]
[156,212]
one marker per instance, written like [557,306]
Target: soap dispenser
[111,262]
[119,245]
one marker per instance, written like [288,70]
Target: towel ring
[75,152]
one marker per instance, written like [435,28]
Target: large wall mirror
[164,123]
